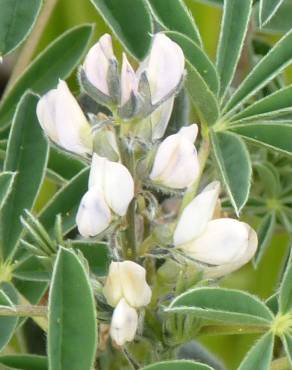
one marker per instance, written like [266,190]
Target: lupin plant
[154,202]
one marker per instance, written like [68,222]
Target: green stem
[30,45]
[202,157]
[231,330]
[24,311]
[280,364]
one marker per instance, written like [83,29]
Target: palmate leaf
[72,318]
[234,165]
[7,324]
[43,73]
[131,23]
[27,153]
[269,67]
[174,16]
[273,135]
[260,356]
[226,306]
[267,9]
[265,233]
[234,25]
[285,294]
[17,18]
[6,183]
[279,101]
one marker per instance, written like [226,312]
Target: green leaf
[7,324]
[32,269]
[25,362]
[279,101]
[276,136]
[27,153]
[180,115]
[273,303]
[265,233]
[260,356]
[201,96]
[45,71]
[17,19]
[269,67]
[177,365]
[223,305]
[267,10]
[64,164]
[97,255]
[285,295]
[269,178]
[281,22]
[234,165]
[72,318]
[198,59]
[175,16]
[6,183]
[130,22]
[234,25]
[33,291]
[65,202]
[287,341]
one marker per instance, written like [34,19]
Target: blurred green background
[264,280]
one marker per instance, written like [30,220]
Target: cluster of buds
[141,103]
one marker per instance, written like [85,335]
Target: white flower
[97,63]
[176,163]
[129,81]
[124,323]
[127,280]
[164,67]
[111,189]
[63,120]
[225,243]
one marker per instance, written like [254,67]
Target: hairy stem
[30,45]
[24,311]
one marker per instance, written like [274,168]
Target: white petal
[242,258]
[160,118]
[176,162]
[114,181]
[74,132]
[189,132]
[63,120]
[113,290]
[124,323]
[135,288]
[96,63]
[197,214]
[129,82]
[93,215]
[224,241]
[127,279]
[164,66]
[46,113]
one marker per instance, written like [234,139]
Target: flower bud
[164,68]
[124,323]
[127,280]
[93,215]
[111,189]
[129,82]
[97,63]
[113,181]
[154,126]
[63,120]
[224,243]
[176,163]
